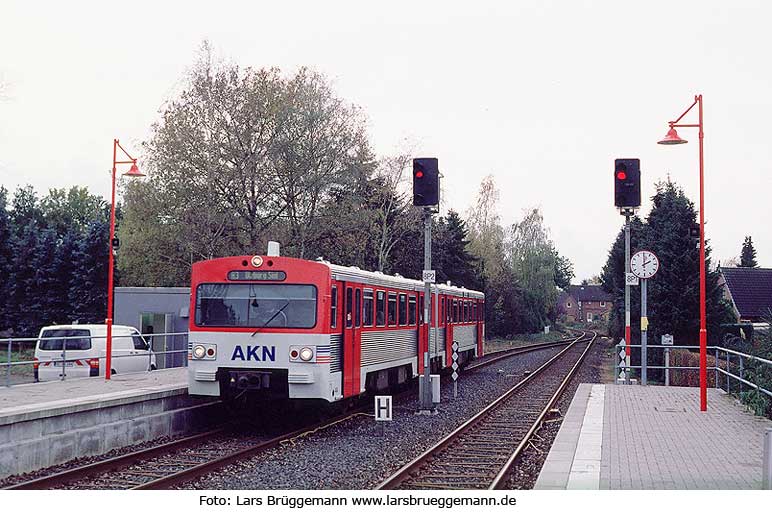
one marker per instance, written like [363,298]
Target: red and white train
[283,328]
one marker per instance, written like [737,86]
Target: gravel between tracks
[359,453]
[593,370]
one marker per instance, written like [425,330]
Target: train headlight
[306,354]
[199,351]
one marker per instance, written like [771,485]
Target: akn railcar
[285,328]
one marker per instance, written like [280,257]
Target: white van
[86,347]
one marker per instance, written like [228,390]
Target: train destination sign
[257,275]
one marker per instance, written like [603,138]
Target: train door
[449,327]
[352,322]
[479,320]
[422,335]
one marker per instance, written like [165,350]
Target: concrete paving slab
[655,437]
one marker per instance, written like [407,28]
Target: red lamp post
[672,138]
[133,172]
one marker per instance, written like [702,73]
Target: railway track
[170,464]
[480,453]
[173,463]
[495,356]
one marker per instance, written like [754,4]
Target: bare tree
[240,156]
[486,235]
[323,146]
[217,143]
[532,256]
[391,224]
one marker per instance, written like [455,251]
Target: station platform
[48,423]
[654,437]
[33,400]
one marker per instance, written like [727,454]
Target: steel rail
[114,463]
[405,472]
[503,475]
[507,353]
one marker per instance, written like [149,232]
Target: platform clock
[644,264]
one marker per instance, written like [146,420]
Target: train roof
[340,272]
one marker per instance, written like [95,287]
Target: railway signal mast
[426,193]
[627,197]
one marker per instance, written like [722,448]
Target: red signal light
[621,175]
[419,174]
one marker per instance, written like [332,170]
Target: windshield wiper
[266,323]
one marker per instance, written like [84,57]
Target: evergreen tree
[6,258]
[564,270]
[60,301]
[613,279]
[22,285]
[674,291]
[673,294]
[45,294]
[88,286]
[748,254]
[458,265]
[26,209]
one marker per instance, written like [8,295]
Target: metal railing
[742,366]
[741,362]
[27,346]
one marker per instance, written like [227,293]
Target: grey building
[155,310]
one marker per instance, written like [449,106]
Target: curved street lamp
[133,172]
[672,138]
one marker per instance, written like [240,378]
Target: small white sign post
[383,412]
[429,276]
[383,408]
[631,279]
[667,340]
[623,370]
[454,366]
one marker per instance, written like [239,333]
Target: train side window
[411,311]
[441,318]
[349,304]
[392,315]
[455,310]
[358,312]
[420,309]
[466,311]
[367,307]
[402,309]
[474,311]
[334,307]
[380,308]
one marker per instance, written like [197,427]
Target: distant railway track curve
[481,453]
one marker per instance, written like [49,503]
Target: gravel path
[360,453]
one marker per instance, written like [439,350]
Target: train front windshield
[256,305]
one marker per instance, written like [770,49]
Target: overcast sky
[543,95]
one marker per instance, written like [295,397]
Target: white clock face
[644,264]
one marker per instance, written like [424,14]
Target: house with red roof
[584,303]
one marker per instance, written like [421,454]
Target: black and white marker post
[454,366]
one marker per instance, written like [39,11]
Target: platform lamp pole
[672,138]
[133,172]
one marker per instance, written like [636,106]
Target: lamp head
[134,171]
[672,138]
